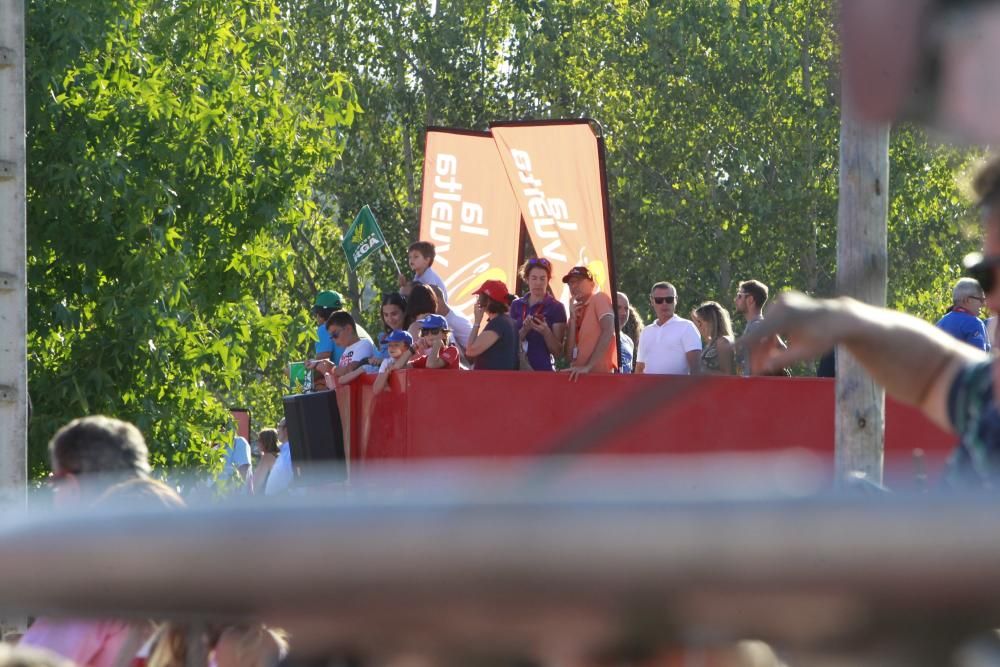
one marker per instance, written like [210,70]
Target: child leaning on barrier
[434,349]
[398,346]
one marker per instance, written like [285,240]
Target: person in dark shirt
[495,348]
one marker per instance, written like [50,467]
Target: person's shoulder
[601,298]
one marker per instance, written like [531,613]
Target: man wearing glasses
[671,345]
[962,321]
[917,363]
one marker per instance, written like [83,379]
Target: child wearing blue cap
[435,349]
[398,346]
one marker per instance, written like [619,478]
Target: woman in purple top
[539,316]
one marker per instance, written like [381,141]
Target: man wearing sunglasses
[917,363]
[962,321]
[671,345]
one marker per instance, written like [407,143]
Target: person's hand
[539,325]
[437,345]
[810,326]
[331,381]
[422,346]
[576,371]
[321,365]
[478,311]
[402,280]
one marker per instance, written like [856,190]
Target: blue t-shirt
[975,462]
[966,327]
[553,312]
[324,344]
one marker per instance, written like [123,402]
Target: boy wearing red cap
[590,345]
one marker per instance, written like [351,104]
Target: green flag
[362,239]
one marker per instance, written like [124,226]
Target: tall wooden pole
[862,214]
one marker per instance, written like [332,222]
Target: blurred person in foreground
[23,656]
[99,462]
[917,363]
[962,320]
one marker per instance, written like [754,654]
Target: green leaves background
[193,165]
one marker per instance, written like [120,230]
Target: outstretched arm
[915,361]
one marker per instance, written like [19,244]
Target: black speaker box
[316,435]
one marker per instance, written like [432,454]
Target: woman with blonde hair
[716,329]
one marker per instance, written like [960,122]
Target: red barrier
[446,414]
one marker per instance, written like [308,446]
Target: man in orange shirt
[590,345]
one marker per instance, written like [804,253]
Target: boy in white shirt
[421,256]
[343,331]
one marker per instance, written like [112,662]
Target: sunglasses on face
[982,270]
[430,332]
[539,261]
[663,299]
[335,333]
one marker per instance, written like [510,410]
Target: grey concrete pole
[862,214]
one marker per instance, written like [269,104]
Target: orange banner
[469,213]
[555,171]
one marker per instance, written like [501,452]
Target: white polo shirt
[663,347]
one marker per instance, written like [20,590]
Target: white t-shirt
[431,278]
[663,347]
[237,455]
[359,351]
[388,361]
[280,476]
[460,327]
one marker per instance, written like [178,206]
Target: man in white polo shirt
[671,345]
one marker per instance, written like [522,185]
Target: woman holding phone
[539,316]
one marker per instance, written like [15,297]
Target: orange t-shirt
[588,330]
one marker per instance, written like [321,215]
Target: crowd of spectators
[534,331]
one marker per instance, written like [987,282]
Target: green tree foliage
[193,165]
[721,119]
[170,163]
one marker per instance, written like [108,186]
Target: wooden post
[861,273]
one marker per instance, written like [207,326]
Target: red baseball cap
[496,290]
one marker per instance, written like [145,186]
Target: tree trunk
[861,273]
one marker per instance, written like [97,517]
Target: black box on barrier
[316,436]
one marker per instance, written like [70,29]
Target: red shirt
[448,354]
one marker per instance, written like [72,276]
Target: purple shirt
[553,312]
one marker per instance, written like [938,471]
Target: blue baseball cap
[399,336]
[434,322]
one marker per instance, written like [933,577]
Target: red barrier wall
[444,414]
